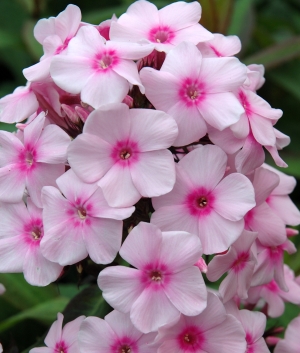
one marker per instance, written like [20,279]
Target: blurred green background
[270,34]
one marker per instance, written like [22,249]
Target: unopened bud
[201,264]
[129,101]
[272,340]
[290,232]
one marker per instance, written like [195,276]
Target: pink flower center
[29,158]
[125,152]
[124,344]
[33,232]
[191,92]
[37,233]
[26,158]
[81,212]
[199,202]
[125,349]
[244,101]
[156,276]
[240,262]
[191,339]
[161,34]
[105,60]
[61,347]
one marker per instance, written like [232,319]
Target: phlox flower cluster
[140,146]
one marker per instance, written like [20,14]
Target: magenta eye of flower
[81,213]
[125,154]
[156,276]
[161,36]
[189,338]
[105,62]
[125,349]
[36,233]
[202,202]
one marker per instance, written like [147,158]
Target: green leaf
[45,312]
[22,295]
[277,54]
[8,39]
[88,302]
[240,18]
[7,127]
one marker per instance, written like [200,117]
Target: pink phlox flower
[270,264]
[212,331]
[254,324]
[104,27]
[195,91]
[2,289]
[165,28]
[280,202]
[54,34]
[101,71]
[21,231]
[115,333]
[262,219]
[80,223]
[291,341]
[220,46]
[165,282]
[125,151]
[202,202]
[36,161]
[239,262]
[18,105]
[274,296]
[61,340]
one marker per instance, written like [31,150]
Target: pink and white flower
[21,231]
[32,163]
[165,28]
[195,91]
[54,34]
[81,223]
[125,151]
[239,262]
[165,282]
[101,71]
[115,333]
[291,341]
[205,203]
[62,340]
[212,331]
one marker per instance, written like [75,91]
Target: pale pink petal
[142,245]
[229,336]
[175,218]
[167,94]
[12,183]
[202,172]
[250,157]
[39,71]
[130,51]
[44,28]
[275,303]
[220,264]
[159,129]
[180,15]
[52,145]
[222,74]
[275,155]
[217,233]
[244,279]
[254,323]
[225,139]
[103,239]
[234,197]
[18,106]
[194,34]
[220,45]
[228,287]
[178,61]
[270,228]
[264,182]
[39,271]
[241,128]
[54,334]
[122,33]
[187,291]
[64,67]
[128,70]
[152,310]
[287,183]
[70,332]
[191,125]
[220,110]
[121,286]
[13,218]
[42,175]
[118,187]
[154,173]
[262,130]
[285,209]
[33,131]
[89,157]
[41,350]
[180,250]
[67,22]
[12,253]
[291,341]
[122,325]
[11,147]
[95,334]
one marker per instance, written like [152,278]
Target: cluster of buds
[145,136]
